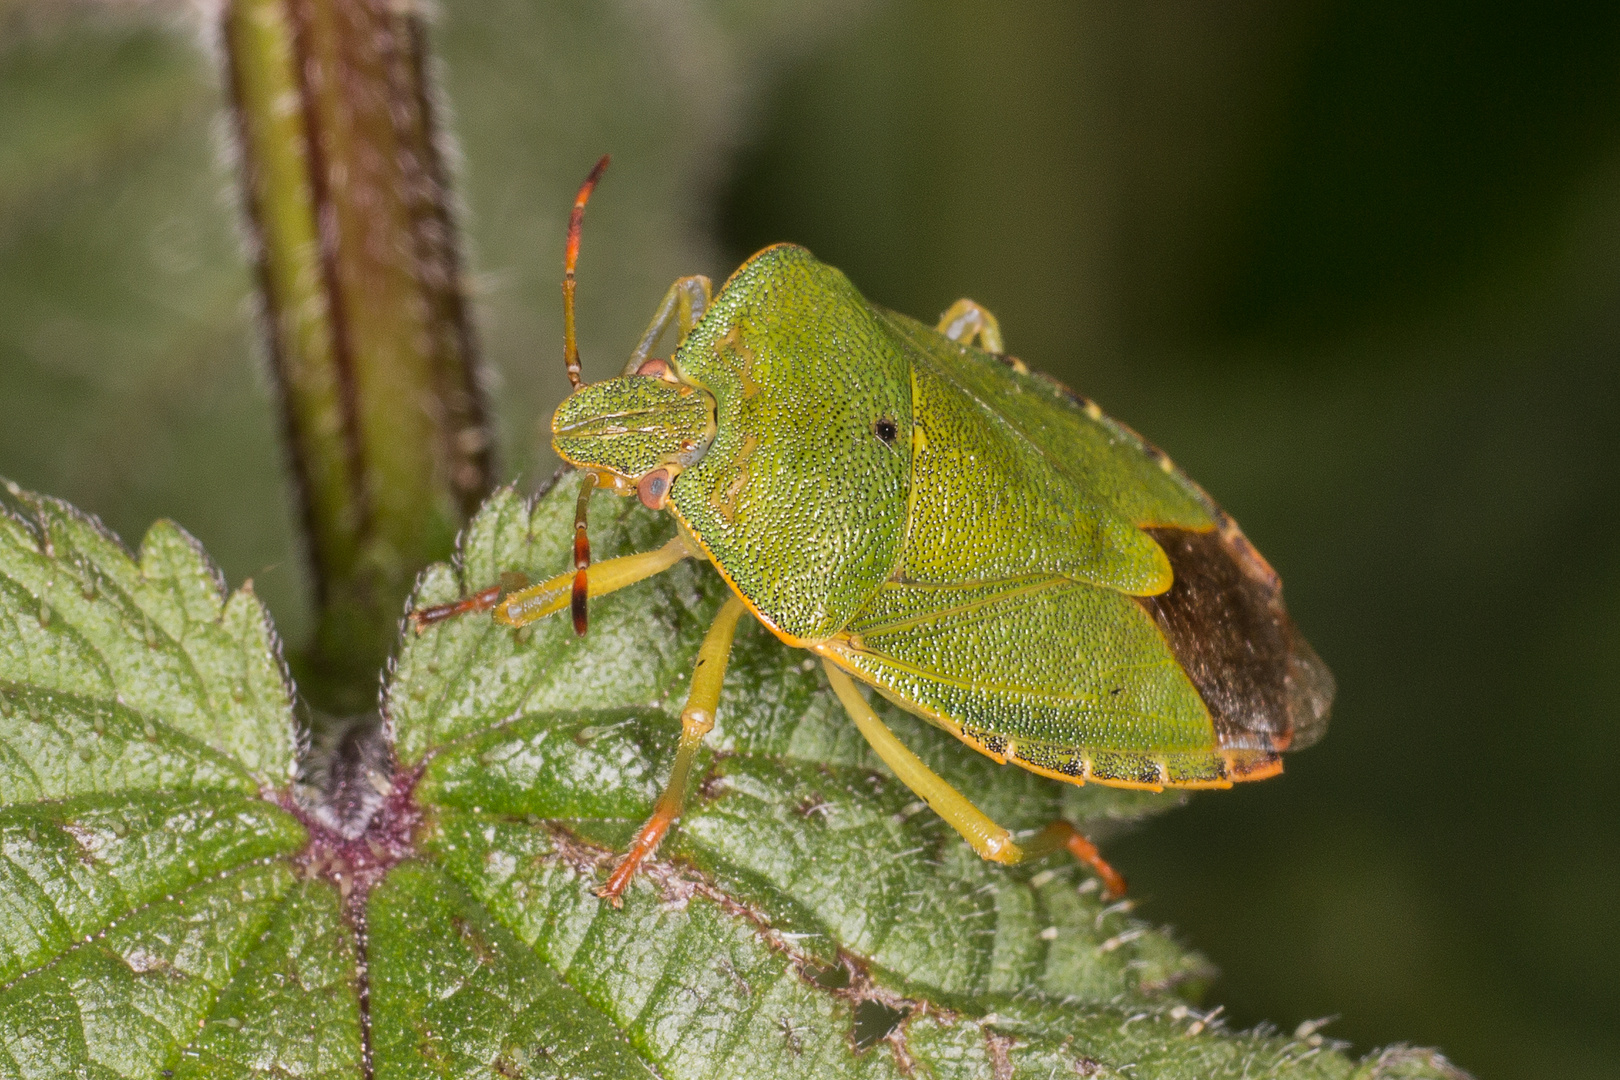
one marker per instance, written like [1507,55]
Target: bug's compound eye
[653,489]
[887,430]
[654,368]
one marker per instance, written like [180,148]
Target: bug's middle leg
[683,305]
[697,720]
[990,840]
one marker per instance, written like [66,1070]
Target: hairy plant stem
[367,328]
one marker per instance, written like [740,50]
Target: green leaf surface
[157,634]
[167,907]
[807,917]
[144,717]
[455,993]
[293,1008]
[124,1001]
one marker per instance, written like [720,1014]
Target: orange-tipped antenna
[570,258]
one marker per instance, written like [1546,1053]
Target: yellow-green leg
[549,597]
[964,320]
[990,840]
[683,305]
[697,720]
[525,605]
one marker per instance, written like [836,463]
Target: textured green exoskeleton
[971,539]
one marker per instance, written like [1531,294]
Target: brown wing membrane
[1265,687]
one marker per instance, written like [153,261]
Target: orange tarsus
[478,601]
[646,842]
[570,259]
[1084,850]
[1062,834]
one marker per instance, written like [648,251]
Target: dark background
[1355,265]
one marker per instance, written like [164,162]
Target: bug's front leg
[990,840]
[964,320]
[683,305]
[697,720]
[610,575]
[524,605]
[482,600]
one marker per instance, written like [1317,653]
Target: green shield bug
[970,539]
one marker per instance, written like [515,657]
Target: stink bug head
[634,424]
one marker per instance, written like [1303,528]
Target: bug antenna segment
[570,259]
[580,598]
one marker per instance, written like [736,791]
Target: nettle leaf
[808,917]
[170,908]
[146,730]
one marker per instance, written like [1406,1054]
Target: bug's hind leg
[697,719]
[1061,834]
[990,840]
[683,305]
[964,320]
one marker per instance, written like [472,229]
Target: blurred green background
[1356,266]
